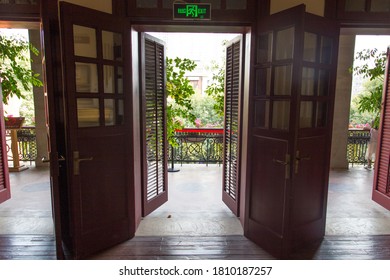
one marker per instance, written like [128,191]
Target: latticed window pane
[84,39]
[380,5]
[281,115]
[355,5]
[285,44]
[235,4]
[146,3]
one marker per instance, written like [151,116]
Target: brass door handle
[280,161]
[286,163]
[76,162]
[46,160]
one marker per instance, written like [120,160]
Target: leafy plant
[15,72]
[217,88]
[371,100]
[179,92]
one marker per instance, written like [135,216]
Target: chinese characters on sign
[192,11]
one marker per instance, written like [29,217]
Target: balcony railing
[357,146]
[27,144]
[198,145]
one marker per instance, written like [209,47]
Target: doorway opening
[195,173]
[29,210]
[351,210]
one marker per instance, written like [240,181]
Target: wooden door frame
[246,32]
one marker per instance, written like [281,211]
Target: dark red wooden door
[290,130]
[231,139]
[381,189]
[96,94]
[5,192]
[155,186]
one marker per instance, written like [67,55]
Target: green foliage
[217,88]
[370,100]
[203,109]
[179,92]
[15,71]
[374,71]
[26,109]
[366,99]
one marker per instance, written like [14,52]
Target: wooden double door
[290,129]
[289,119]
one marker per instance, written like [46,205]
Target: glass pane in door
[323,82]
[120,119]
[146,3]
[262,113]
[322,113]
[88,114]
[86,77]
[285,44]
[119,80]
[108,79]
[355,5]
[306,114]
[263,82]
[380,6]
[264,48]
[308,77]
[112,45]
[283,80]
[326,50]
[84,40]
[281,115]
[310,47]
[109,112]
[236,4]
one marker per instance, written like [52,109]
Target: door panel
[310,186]
[155,190]
[231,158]
[5,192]
[290,130]
[97,128]
[381,188]
[270,166]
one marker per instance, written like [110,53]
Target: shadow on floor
[195,206]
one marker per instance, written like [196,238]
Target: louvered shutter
[4,175]
[231,131]
[154,104]
[381,192]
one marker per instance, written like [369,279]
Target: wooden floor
[42,247]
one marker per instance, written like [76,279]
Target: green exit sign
[192,11]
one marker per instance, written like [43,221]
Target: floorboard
[42,247]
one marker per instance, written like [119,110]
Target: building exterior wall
[312,6]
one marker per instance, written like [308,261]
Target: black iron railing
[198,145]
[194,146]
[357,146]
[27,144]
